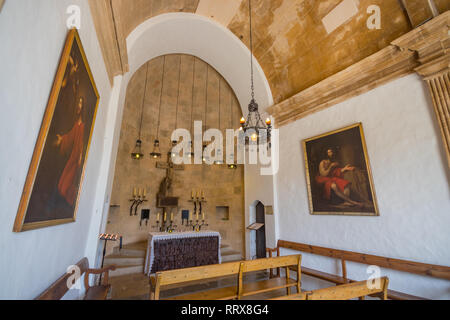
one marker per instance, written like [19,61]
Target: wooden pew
[350,291]
[59,288]
[286,262]
[441,272]
[167,278]
[233,269]
[344,292]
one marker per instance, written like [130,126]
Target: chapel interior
[225,150]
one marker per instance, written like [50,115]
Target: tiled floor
[136,287]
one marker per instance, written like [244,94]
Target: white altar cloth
[156,236]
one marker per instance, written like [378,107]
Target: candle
[134,192]
[203,216]
[171,217]
[190,216]
[157,218]
[197,216]
[165,216]
[203,194]
[198,194]
[192,194]
[145,192]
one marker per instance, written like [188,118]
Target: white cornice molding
[407,54]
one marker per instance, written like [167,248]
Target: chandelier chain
[143,102]
[251,50]
[178,95]
[193,85]
[160,97]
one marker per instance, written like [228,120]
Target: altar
[170,251]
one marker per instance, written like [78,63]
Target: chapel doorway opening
[261,232]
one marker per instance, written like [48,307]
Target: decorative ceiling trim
[109,33]
[402,57]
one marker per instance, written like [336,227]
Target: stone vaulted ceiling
[290,41]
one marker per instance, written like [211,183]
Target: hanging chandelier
[205,144]
[259,131]
[137,154]
[175,142]
[156,153]
[231,156]
[190,152]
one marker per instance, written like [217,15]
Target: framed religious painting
[55,176]
[338,174]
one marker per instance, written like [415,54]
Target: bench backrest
[59,288]
[271,263]
[197,273]
[350,291]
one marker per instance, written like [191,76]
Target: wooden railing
[436,271]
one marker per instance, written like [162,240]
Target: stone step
[124,260]
[138,249]
[126,270]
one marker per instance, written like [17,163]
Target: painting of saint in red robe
[53,186]
[338,173]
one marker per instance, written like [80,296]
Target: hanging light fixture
[175,142]
[156,153]
[254,124]
[220,161]
[190,153]
[137,154]
[232,165]
[205,145]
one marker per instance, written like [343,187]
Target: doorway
[261,232]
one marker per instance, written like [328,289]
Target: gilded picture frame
[338,173]
[55,177]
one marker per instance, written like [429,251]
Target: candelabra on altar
[198,211]
[163,225]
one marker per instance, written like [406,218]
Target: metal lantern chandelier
[259,130]
[137,154]
[156,153]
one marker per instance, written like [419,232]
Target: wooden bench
[286,262]
[436,271]
[235,270]
[350,291]
[59,288]
[172,277]
[344,292]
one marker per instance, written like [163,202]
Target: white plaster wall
[32,36]
[411,182]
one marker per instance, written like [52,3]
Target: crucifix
[164,197]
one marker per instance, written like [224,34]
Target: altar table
[169,251]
